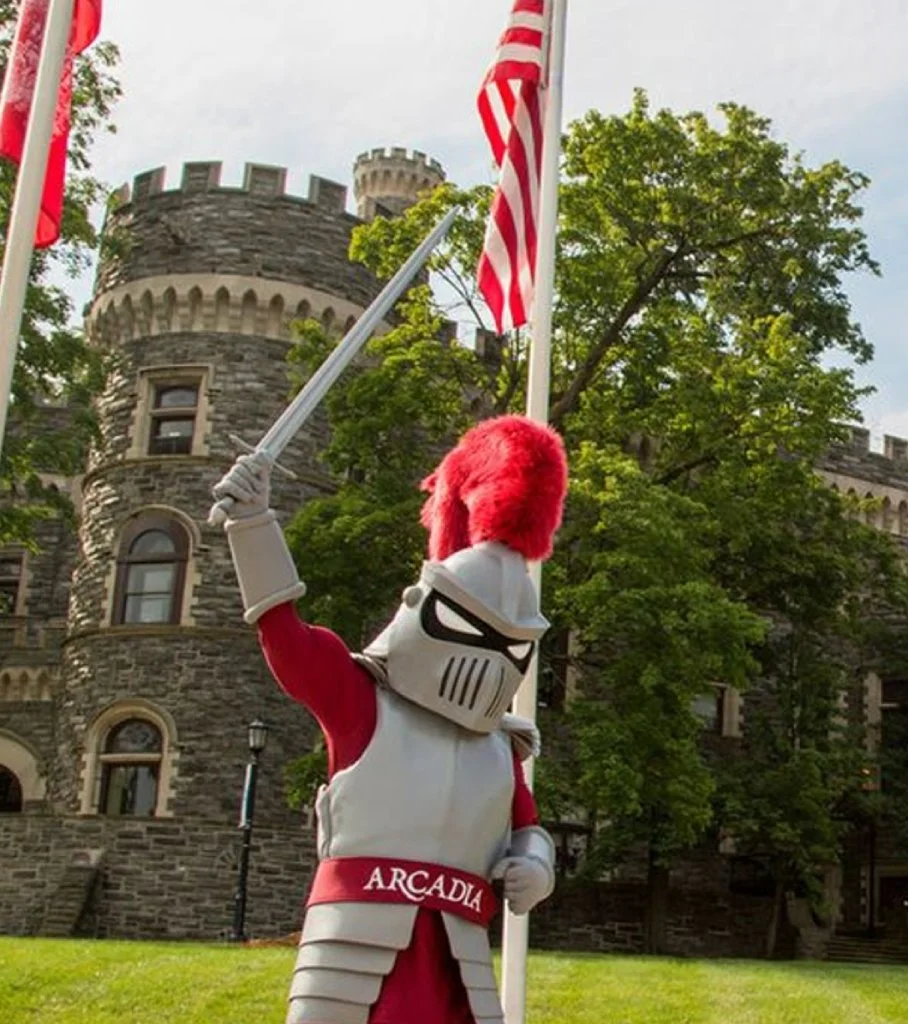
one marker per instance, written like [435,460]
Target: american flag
[511,109]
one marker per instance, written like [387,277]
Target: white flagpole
[20,238]
[517,929]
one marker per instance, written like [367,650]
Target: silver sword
[285,427]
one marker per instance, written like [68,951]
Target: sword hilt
[220,510]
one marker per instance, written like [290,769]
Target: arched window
[10,792]
[130,760]
[21,777]
[888,515]
[151,571]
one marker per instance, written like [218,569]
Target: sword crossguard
[251,450]
[220,510]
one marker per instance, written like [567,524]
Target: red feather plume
[505,481]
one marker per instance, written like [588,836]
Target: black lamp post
[258,737]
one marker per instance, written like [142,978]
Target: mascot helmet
[464,635]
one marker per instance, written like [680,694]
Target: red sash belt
[389,880]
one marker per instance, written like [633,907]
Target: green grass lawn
[154,983]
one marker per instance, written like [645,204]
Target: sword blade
[301,408]
[286,426]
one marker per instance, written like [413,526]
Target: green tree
[654,629]
[391,415]
[700,290]
[835,591]
[55,363]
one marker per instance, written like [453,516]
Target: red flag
[511,109]
[16,100]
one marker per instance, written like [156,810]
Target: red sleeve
[313,666]
[523,806]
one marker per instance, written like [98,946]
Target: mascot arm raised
[310,663]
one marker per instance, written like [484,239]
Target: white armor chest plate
[424,789]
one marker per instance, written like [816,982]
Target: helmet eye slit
[442,619]
[454,621]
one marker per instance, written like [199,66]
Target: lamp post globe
[257,736]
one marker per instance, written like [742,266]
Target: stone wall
[175,879]
[608,918]
[204,283]
[160,879]
[253,231]
[211,683]
[208,672]
[30,639]
[32,724]
[246,386]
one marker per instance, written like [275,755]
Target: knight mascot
[426,803]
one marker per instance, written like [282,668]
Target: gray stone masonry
[608,918]
[174,876]
[255,230]
[162,879]
[248,388]
[212,684]
[34,723]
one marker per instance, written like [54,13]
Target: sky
[309,85]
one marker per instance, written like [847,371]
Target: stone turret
[194,301]
[390,180]
[125,716]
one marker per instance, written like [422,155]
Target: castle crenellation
[894,448]
[265,181]
[387,181]
[399,153]
[269,181]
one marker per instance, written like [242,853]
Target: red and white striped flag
[16,101]
[511,106]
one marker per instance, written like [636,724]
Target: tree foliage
[700,290]
[55,364]
[390,416]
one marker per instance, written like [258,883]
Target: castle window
[708,707]
[172,412]
[10,791]
[130,762]
[151,571]
[893,733]
[173,417]
[131,769]
[10,582]
[22,783]
[719,709]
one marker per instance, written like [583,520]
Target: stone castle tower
[389,181]
[158,677]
